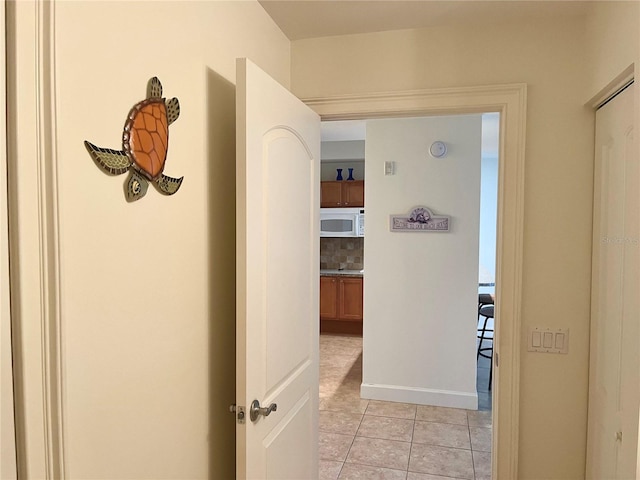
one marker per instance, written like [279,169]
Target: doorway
[510,102]
[343,148]
[399,424]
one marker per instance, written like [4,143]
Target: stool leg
[484,328]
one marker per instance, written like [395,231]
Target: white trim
[32,155]
[49,235]
[8,465]
[420,396]
[612,88]
[510,101]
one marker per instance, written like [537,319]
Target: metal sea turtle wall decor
[145,141]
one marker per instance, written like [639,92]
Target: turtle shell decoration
[145,141]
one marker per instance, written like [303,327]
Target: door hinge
[239,411]
[497,359]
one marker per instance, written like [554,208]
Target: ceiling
[345,130]
[299,19]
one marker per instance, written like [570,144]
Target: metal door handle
[256,410]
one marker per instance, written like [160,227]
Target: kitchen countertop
[344,273]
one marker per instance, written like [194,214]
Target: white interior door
[613,377]
[278,166]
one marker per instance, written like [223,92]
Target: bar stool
[485,333]
[484,299]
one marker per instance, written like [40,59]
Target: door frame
[34,234]
[510,101]
[8,466]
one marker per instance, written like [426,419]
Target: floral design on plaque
[145,142]
[419,219]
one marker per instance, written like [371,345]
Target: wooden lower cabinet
[329,297]
[341,304]
[350,299]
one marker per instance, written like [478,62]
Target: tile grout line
[473,463]
[353,441]
[413,431]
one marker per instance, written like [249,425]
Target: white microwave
[342,222]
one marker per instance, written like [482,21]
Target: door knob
[256,410]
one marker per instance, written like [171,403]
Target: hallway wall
[613,41]
[146,305]
[558,187]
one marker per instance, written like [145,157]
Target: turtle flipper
[136,186]
[154,88]
[173,110]
[168,185]
[114,162]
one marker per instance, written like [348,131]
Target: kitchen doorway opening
[344,414]
[510,102]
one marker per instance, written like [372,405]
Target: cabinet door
[353,194]
[328,297]
[331,194]
[350,299]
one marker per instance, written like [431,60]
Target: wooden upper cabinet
[353,194]
[342,194]
[331,194]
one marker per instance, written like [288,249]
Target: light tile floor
[370,439]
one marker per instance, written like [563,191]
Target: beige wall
[147,290]
[549,57]
[342,154]
[613,38]
[421,288]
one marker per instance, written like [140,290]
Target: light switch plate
[389,168]
[548,340]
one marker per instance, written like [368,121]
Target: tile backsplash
[346,253]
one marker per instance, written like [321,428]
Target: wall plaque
[419,219]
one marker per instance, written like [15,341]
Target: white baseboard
[420,396]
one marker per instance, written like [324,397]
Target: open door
[277,251]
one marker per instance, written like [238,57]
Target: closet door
[612,441]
